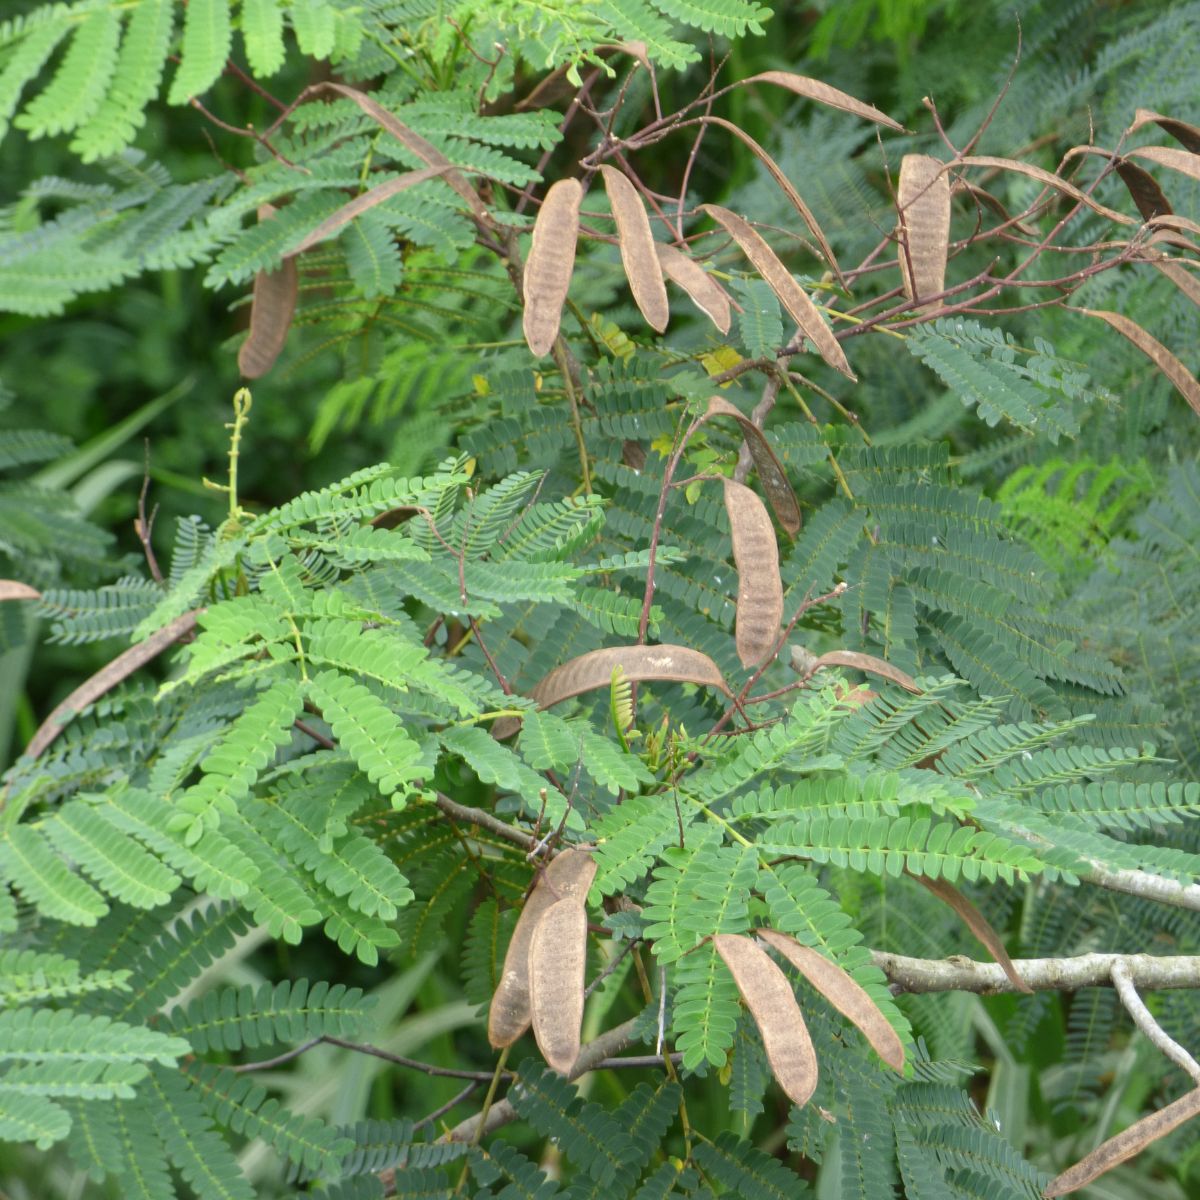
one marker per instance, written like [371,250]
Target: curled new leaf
[568,875]
[703,290]
[670,664]
[557,957]
[923,203]
[770,470]
[550,263]
[1126,1144]
[1187,135]
[772,1004]
[1154,350]
[13,589]
[823,93]
[271,309]
[792,296]
[841,990]
[637,249]
[760,587]
[978,924]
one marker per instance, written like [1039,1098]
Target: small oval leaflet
[923,205]
[702,289]
[770,470]
[772,1004]
[568,875]
[638,256]
[667,663]
[760,587]
[843,992]
[557,958]
[550,263]
[272,305]
[791,295]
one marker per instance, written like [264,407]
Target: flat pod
[557,958]
[1154,350]
[1150,199]
[824,93]
[868,663]
[667,663]
[271,308]
[993,163]
[638,256]
[567,876]
[550,263]
[760,588]
[923,202]
[1183,161]
[843,992]
[702,289]
[772,1004]
[14,589]
[1181,131]
[791,295]
[770,470]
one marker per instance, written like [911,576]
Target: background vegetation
[1009,492]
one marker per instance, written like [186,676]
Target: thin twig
[1155,1034]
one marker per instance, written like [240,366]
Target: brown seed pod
[1186,281]
[760,588]
[791,295]
[568,875]
[923,204]
[868,663]
[702,289]
[1143,188]
[14,589]
[991,162]
[550,263]
[674,664]
[771,475]
[978,924]
[1155,351]
[1183,161]
[1187,135]
[637,249]
[772,1004]
[843,992]
[823,93]
[557,956]
[271,307]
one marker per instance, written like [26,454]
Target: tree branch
[1158,1037]
[961,974]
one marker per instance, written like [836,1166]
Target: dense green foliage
[259,874]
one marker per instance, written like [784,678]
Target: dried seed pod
[772,1004]
[760,587]
[550,263]
[870,664]
[557,957]
[1181,131]
[271,308]
[824,93]
[14,589]
[978,924]
[843,992]
[1183,161]
[991,162]
[791,295]
[702,289]
[675,664]
[1155,351]
[923,204]
[1150,199]
[770,470]
[568,875]
[637,249]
